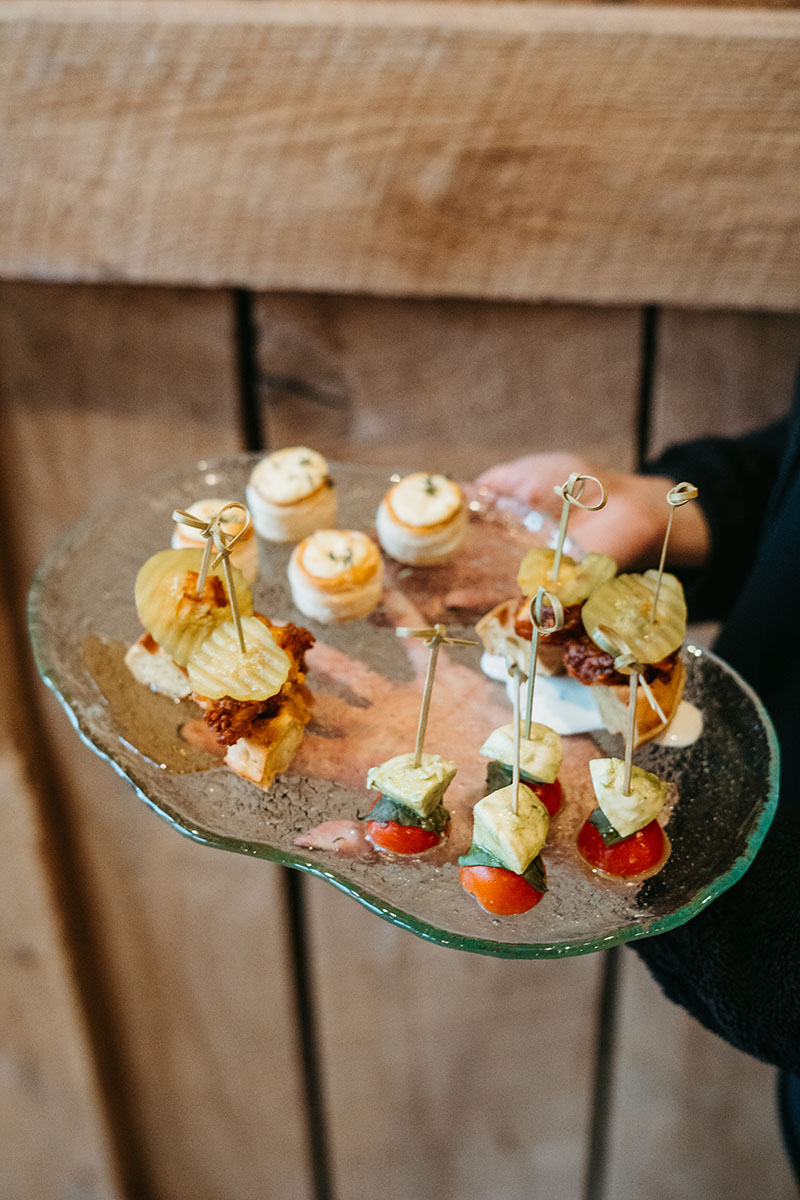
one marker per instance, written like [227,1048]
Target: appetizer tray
[367,685]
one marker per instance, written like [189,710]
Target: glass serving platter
[367,685]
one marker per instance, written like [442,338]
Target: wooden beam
[675,1081]
[434,1067]
[611,154]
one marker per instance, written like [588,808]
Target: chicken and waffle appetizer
[246,673]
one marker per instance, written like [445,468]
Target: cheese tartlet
[336,575]
[422,520]
[244,554]
[290,494]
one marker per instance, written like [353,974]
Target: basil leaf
[500,775]
[604,827]
[476,856]
[387,809]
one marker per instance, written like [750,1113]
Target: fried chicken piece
[572,622]
[234,719]
[590,665]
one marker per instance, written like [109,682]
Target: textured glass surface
[367,685]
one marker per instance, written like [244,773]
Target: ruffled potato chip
[625,605]
[219,667]
[576,580]
[171,610]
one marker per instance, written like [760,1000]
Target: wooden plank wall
[152,1045]
[101,387]
[378,172]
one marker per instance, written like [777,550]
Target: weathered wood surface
[691,1116]
[448,385]
[719,4]
[54,1140]
[450,1074]
[600,153]
[102,387]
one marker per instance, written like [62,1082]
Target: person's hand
[631,526]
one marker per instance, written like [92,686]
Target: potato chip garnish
[170,608]
[625,604]
[220,668]
[576,580]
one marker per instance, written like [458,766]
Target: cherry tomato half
[550,795]
[498,890]
[632,856]
[401,839]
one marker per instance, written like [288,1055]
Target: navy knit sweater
[736,966]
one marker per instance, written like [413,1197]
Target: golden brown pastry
[422,520]
[336,575]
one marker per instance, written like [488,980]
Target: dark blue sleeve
[736,966]
[735,478]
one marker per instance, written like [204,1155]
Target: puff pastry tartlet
[290,494]
[422,520]
[336,575]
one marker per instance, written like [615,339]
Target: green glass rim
[431,933]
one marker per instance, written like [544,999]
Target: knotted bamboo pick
[516,673]
[626,664]
[570,492]
[536,608]
[680,494]
[434,638]
[216,536]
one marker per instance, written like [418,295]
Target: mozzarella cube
[420,788]
[540,755]
[627,813]
[513,837]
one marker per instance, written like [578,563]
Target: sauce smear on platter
[149,722]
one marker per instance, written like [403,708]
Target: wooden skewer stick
[234,600]
[570,492]
[434,638]
[428,633]
[536,607]
[630,733]
[223,542]
[207,529]
[682,493]
[205,563]
[515,671]
[627,665]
